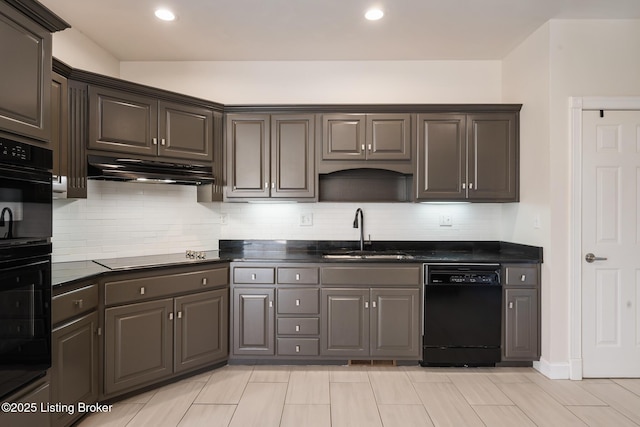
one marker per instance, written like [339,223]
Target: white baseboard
[554,371]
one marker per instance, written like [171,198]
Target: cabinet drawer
[298,326]
[253,275]
[298,346]
[298,275]
[70,304]
[521,276]
[123,291]
[298,301]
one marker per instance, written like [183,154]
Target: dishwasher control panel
[462,274]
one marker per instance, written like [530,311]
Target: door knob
[591,257]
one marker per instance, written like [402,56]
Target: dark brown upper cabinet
[468,157]
[270,157]
[352,141]
[129,123]
[25,77]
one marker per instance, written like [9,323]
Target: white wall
[318,82]
[77,50]
[525,80]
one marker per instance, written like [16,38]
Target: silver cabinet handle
[297,277]
[471,186]
[369,147]
[297,349]
[204,281]
[297,303]
[142,290]
[266,185]
[170,316]
[78,303]
[523,278]
[510,304]
[155,141]
[163,141]
[179,315]
[373,304]
[591,258]
[297,328]
[270,304]
[464,186]
[253,276]
[366,304]
[273,185]
[362,147]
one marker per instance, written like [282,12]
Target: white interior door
[611,230]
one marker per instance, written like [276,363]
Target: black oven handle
[27,175]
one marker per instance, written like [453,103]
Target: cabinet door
[186,132]
[253,321]
[122,122]
[521,334]
[292,156]
[25,77]
[344,327]
[201,329]
[59,126]
[247,155]
[395,327]
[74,363]
[138,344]
[343,137]
[441,165]
[388,137]
[40,396]
[493,157]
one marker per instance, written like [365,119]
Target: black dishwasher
[462,315]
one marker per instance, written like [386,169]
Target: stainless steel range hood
[125,169]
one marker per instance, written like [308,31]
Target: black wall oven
[25,264]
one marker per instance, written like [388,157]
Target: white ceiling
[227,30]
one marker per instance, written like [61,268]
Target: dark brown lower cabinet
[35,396]
[376,323]
[150,341]
[74,362]
[521,324]
[253,321]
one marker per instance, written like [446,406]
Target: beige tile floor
[352,396]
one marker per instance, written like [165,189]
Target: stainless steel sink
[366,255]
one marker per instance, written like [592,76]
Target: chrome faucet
[355,225]
[9,233]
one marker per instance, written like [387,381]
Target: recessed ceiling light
[165,14]
[374,14]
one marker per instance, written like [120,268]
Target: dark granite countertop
[416,251]
[64,273]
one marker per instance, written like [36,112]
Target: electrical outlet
[224,218]
[306,219]
[446,221]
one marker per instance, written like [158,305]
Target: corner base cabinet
[158,326]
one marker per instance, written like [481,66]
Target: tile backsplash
[128,219]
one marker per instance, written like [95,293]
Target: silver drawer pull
[297,303]
[253,276]
[142,290]
[297,277]
[523,278]
[297,328]
[510,304]
[297,349]
[204,281]
[78,303]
